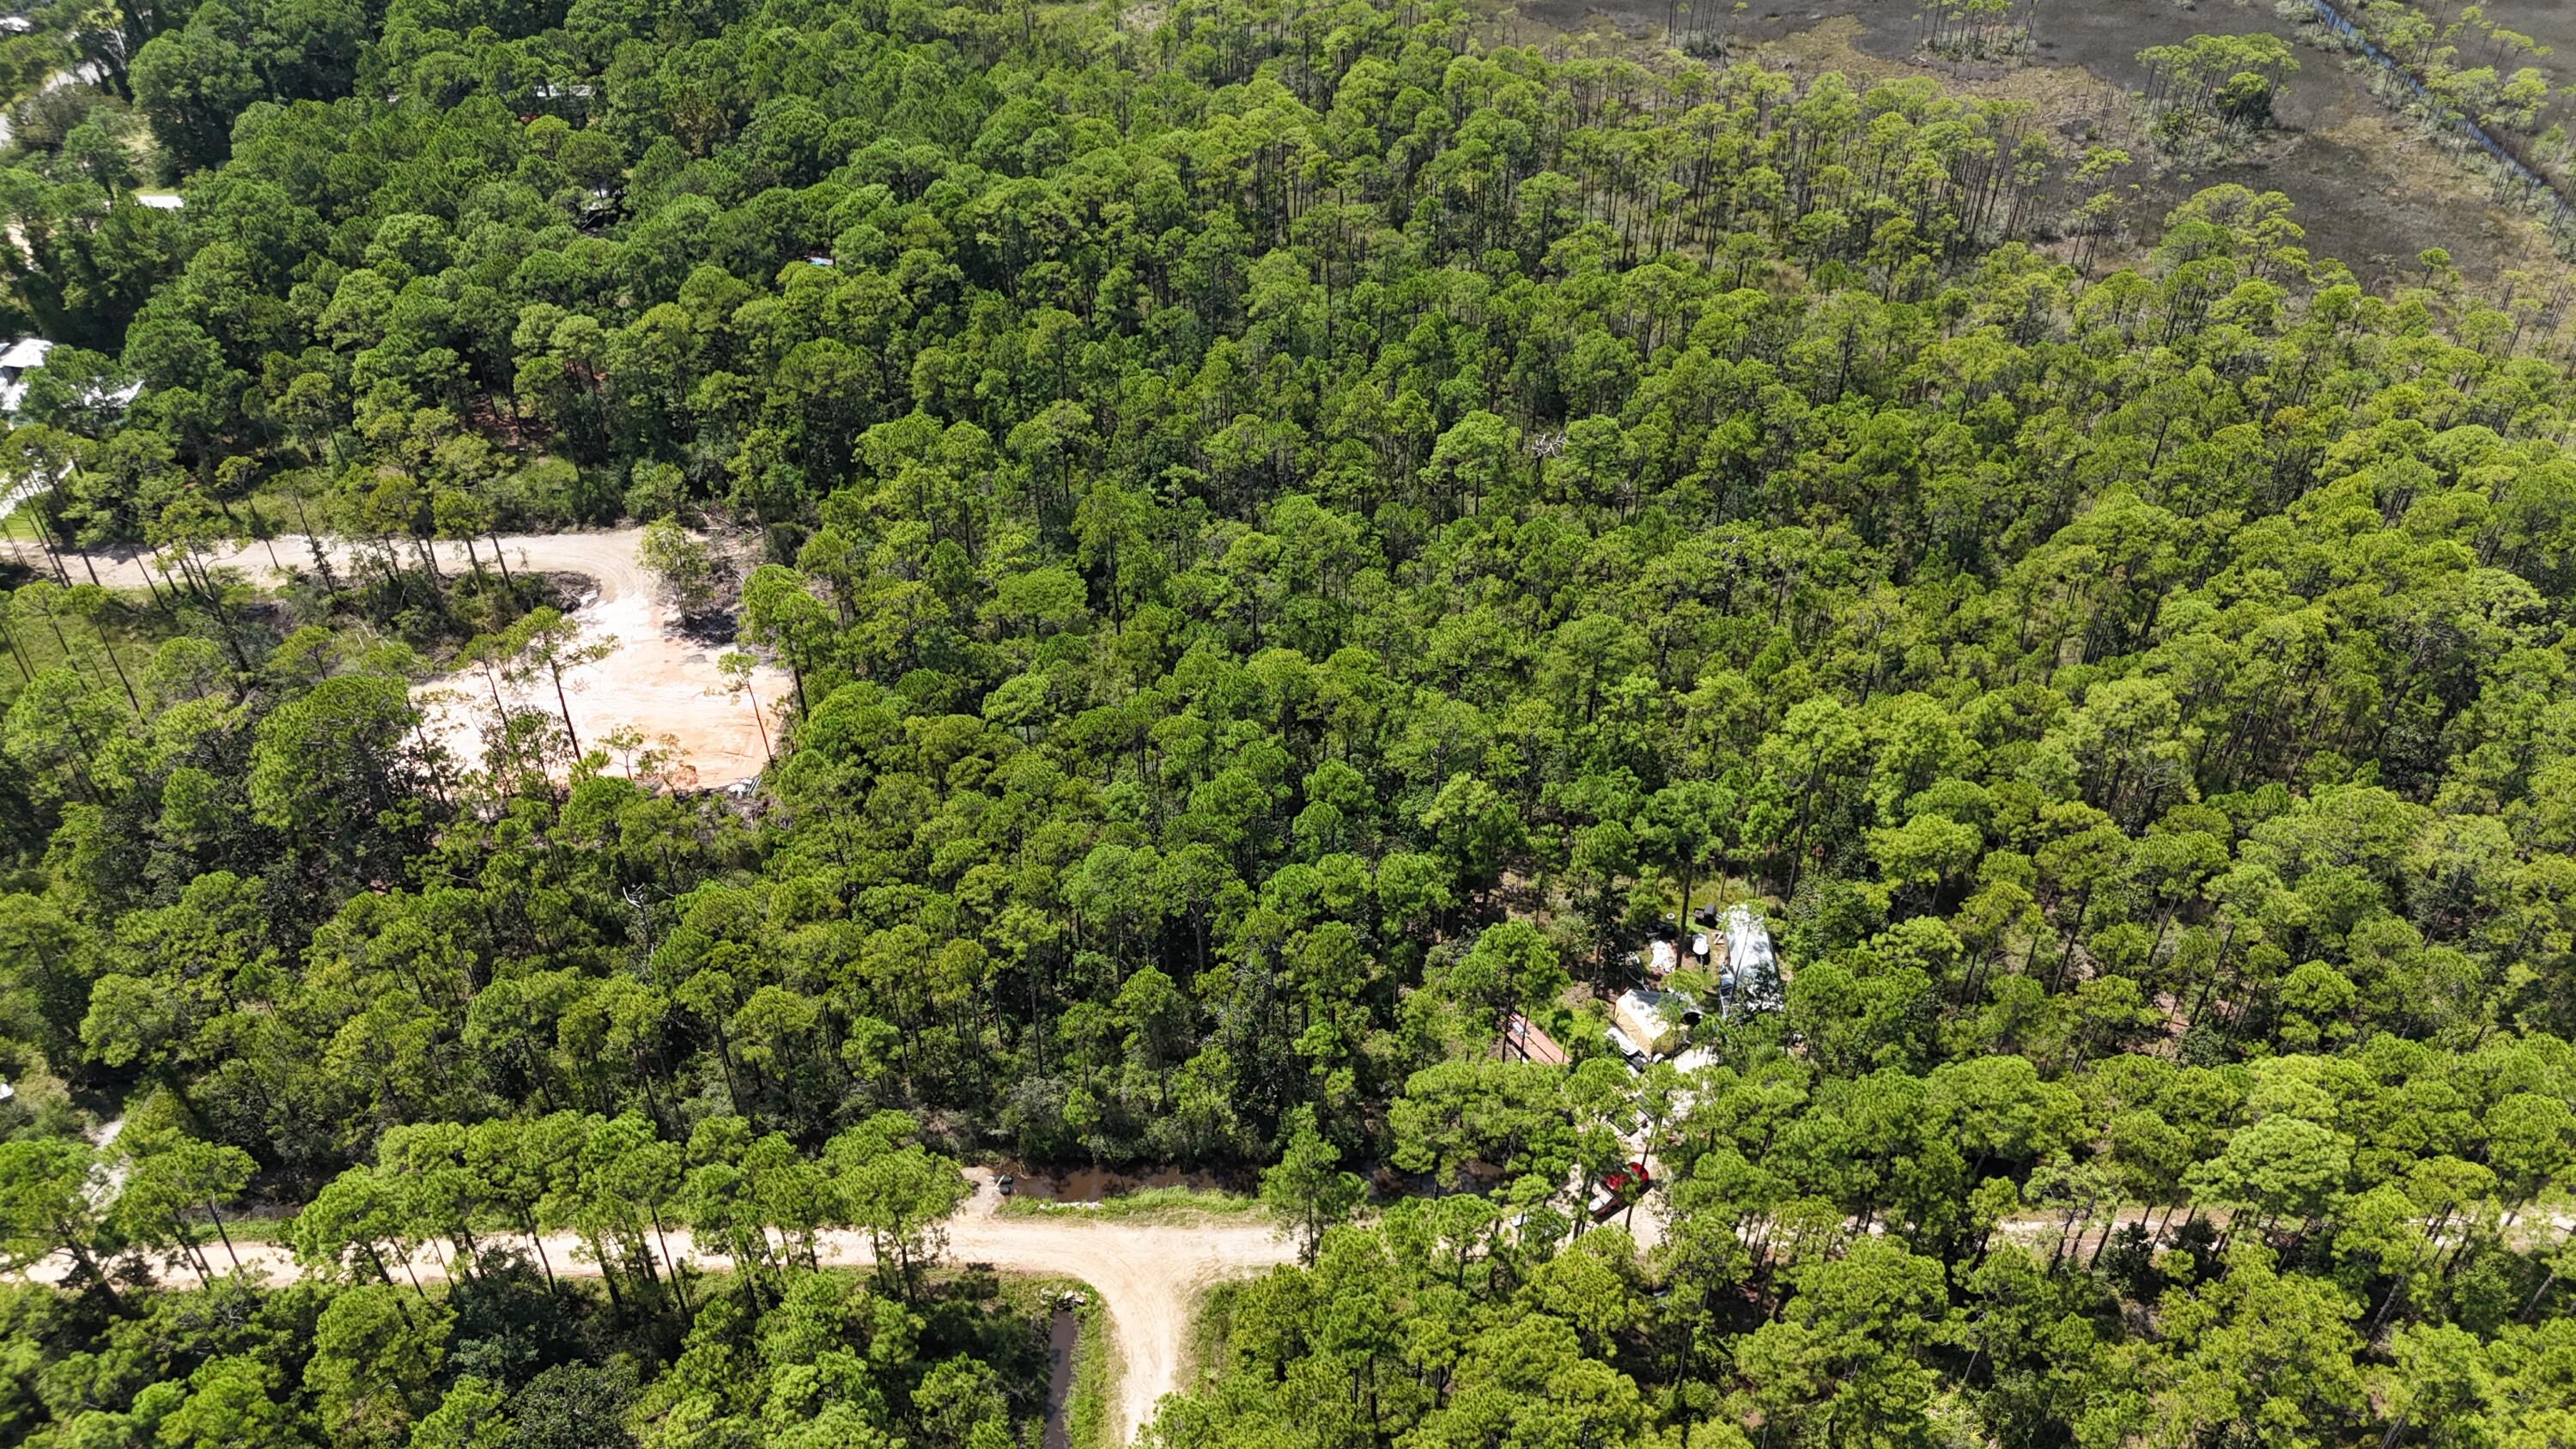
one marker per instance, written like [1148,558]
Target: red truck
[1621,1187]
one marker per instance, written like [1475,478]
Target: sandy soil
[656,680]
[1150,1276]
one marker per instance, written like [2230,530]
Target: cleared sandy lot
[656,680]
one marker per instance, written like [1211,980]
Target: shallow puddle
[1062,1332]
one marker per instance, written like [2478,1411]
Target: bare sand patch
[657,680]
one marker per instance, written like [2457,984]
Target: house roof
[1523,1039]
[26,352]
[1748,940]
[1643,998]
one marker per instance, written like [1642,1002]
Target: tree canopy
[1302,538]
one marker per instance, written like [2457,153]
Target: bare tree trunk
[566,706]
[220,1233]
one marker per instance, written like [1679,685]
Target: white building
[1656,1022]
[22,357]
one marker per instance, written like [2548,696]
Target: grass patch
[1145,1203]
[1089,1420]
[20,525]
[1091,1403]
[1210,1332]
[1029,1295]
[245,1230]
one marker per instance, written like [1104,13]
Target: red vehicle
[1619,1189]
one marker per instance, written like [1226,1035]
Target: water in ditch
[1061,1335]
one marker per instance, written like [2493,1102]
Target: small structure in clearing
[20,358]
[1656,1021]
[1748,975]
[1523,1041]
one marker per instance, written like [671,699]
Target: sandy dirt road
[1150,1276]
[657,681]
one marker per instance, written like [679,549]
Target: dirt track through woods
[657,680]
[1150,1276]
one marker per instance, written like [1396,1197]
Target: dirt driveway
[1151,1277]
[656,681]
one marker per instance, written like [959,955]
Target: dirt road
[1150,1276]
[656,680]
